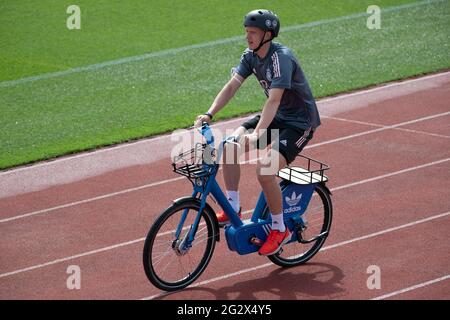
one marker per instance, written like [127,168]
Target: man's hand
[249,140]
[200,119]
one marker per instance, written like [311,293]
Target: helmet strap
[262,42]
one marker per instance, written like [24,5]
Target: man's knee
[270,164]
[230,154]
[264,178]
[266,170]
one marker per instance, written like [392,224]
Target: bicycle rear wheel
[168,264]
[318,216]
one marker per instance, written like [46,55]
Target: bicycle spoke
[317,217]
[160,257]
[171,260]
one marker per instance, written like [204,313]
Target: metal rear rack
[310,171]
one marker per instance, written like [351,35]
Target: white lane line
[141,239]
[105,196]
[380,129]
[384,126]
[225,122]
[424,133]
[340,244]
[417,286]
[180,178]
[369,124]
[382,87]
[390,174]
[42,265]
[375,234]
[97,66]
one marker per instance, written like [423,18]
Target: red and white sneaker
[223,218]
[275,240]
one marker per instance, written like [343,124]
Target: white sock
[233,199]
[278,222]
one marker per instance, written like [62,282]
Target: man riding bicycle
[290,110]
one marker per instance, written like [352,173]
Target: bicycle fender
[322,184]
[207,208]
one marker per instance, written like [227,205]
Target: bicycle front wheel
[169,264]
[318,216]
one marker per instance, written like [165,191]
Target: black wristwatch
[209,115]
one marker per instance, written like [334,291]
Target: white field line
[381,87]
[340,244]
[417,286]
[97,66]
[142,239]
[25,215]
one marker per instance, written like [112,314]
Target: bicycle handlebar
[205,131]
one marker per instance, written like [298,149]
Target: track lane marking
[108,195]
[142,239]
[337,245]
[91,153]
[384,126]
[411,288]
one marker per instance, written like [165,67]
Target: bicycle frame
[206,185]
[203,187]
[200,165]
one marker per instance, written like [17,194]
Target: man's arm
[270,109]
[224,96]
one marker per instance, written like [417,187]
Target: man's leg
[231,176]
[231,166]
[267,168]
[232,170]
[266,171]
[284,150]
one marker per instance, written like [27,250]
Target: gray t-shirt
[280,69]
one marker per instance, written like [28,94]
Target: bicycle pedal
[256,241]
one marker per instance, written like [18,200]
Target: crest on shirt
[268,74]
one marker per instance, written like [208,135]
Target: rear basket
[310,171]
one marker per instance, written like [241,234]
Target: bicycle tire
[323,193]
[148,260]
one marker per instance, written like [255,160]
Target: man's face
[254,36]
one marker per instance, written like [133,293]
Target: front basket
[196,162]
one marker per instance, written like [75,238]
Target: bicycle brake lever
[233,140]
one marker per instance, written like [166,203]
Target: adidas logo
[294,199]
[284,142]
[292,209]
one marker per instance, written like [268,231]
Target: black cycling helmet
[263,19]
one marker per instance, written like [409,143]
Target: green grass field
[85,108]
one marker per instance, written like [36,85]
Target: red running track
[390,177]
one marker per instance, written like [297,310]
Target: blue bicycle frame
[236,232]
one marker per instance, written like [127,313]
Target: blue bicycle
[181,242]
